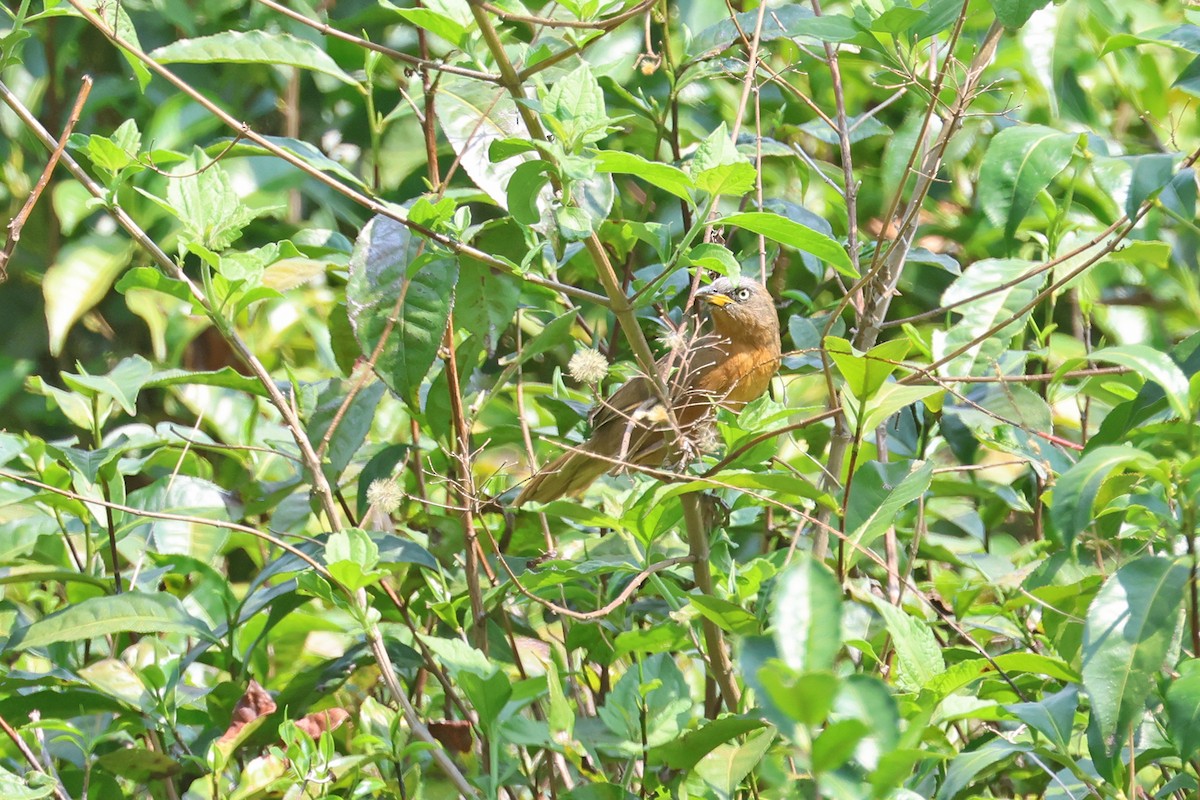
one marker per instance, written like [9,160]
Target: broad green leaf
[713,257]
[524,187]
[967,765]
[354,422]
[270,48]
[1012,14]
[1183,710]
[443,25]
[837,743]
[793,234]
[728,616]
[202,197]
[1154,366]
[122,383]
[473,115]
[1053,716]
[1075,490]
[649,706]
[664,176]
[574,109]
[352,558]
[1020,162]
[154,280]
[228,377]
[919,656]
[807,616]
[866,372]
[978,316]
[80,276]
[891,398]
[186,496]
[718,168]
[103,616]
[861,127]
[727,765]
[882,491]
[485,303]
[387,281]
[306,152]
[487,696]
[694,745]
[1149,175]
[782,21]
[33,785]
[1126,637]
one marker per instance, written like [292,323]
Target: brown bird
[728,367]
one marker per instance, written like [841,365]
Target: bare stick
[18,222]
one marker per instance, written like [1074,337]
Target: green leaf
[968,764]
[121,384]
[1150,174]
[306,152]
[718,168]
[252,47]
[1075,490]
[202,197]
[1126,637]
[861,127]
[1153,365]
[1053,716]
[226,377]
[727,765]
[866,372]
[919,656]
[1183,710]
[837,743]
[524,186]
[103,616]
[574,107]
[1020,162]
[664,176]
[352,558]
[473,115]
[683,753]
[713,257]
[1012,14]
[729,616]
[386,279]
[436,23]
[807,616]
[154,280]
[487,696]
[881,492]
[783,21]
[126,31]
[795,235]
[80,276]
[980,315]
[186,496]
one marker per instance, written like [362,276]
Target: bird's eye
[743,293]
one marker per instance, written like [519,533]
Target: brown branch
[18,222]
[31,757]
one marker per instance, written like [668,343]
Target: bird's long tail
[571,472]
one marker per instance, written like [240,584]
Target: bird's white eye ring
[743,293]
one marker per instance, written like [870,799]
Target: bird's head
[740,307]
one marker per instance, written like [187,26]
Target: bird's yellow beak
[717,299]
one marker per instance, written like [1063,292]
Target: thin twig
[18,222]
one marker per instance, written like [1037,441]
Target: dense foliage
[290,294]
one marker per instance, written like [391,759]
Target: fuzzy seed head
[588,366]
